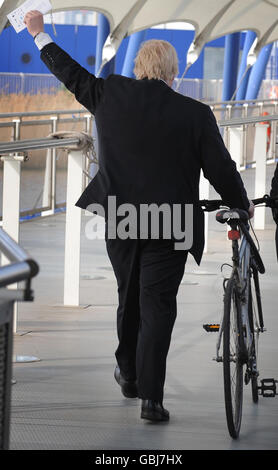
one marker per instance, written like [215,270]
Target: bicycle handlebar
[215,204]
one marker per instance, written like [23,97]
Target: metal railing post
[259,157]
[88,129]
[204,194]
[243,161]
[73,228]
[226,136]
[235,141]
[273,135]
[54,120]
[47,185]
[49,188]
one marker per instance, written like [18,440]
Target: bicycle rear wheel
[232,358]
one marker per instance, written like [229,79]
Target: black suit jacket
[153,142]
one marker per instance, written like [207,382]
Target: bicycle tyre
[232,354]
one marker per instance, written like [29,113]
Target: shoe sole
[153,416]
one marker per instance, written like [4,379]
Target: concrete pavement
[69,398]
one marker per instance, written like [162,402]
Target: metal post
[226,129]
[49,189]
[243,162]
[257,73]
[47,183]
[249,39]
[88,130]
[273,135]
[235,141]
[232,43]
[73,228]
[259,157]
[88,123]
[53,166]
[204,194]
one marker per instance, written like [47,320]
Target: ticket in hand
[16,16]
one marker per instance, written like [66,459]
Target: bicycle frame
[241,271]
[239,329]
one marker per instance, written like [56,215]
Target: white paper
[16,16]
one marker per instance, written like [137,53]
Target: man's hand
[34,22]
[251,210]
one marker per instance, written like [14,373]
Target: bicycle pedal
[211,327]
[268,388]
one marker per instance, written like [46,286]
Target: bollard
[259,156]
[235,145]
[73,228]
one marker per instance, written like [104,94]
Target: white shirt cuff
[42,39]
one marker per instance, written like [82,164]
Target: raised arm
[85,86]
[219,168]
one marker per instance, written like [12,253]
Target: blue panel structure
[232,44]
[249,39]
[257,73]
[24,53]
[120,56]
[133,45]
[181,41]
[65,38]
[80,43]
[85,46]
[5,53]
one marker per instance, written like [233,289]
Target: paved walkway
[69,398]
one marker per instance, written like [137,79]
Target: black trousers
[148,275]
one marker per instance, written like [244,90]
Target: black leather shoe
[154,411]
[129,388]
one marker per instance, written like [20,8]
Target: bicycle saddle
[228,214]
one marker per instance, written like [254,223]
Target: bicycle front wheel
[232,358]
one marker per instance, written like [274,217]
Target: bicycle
[242,320]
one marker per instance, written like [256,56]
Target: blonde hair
[156,59]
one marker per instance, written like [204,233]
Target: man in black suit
[153,142]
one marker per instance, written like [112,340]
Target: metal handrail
[41,122]
[84,110]
[34,144]
[247,120]
[233,102]
[11,249]
[43,113]
[22,266]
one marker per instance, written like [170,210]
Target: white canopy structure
[210,18]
